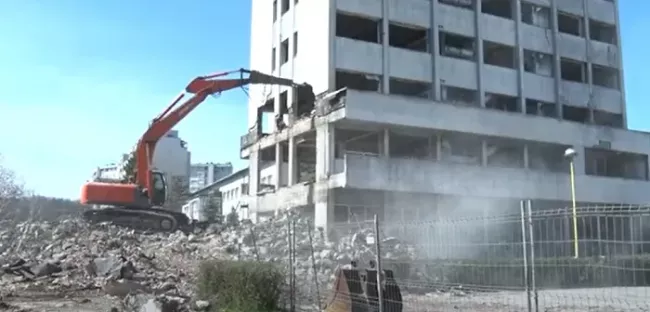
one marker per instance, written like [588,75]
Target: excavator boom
[137,199]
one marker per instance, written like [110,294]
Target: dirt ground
[626,299]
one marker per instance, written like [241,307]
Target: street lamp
[571,154]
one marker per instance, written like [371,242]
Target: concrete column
[324,207]
[589,70]
[438,147]
[253,179]
[484,154]
[556,58]
[520,56]
[386,143]
[479,54]
[292,170]
[526,157]
[278,166]
[385,79]
[324,151]
[433,49]
[324,197]
[619,54]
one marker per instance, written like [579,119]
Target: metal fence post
[532,253]
[290,242]
[380,290]
[522,208]
[313,265]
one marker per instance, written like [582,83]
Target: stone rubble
[160,268]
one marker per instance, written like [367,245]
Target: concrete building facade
[436,107]
[204,174]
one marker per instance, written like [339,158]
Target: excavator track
[152,219]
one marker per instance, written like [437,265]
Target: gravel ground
[574,300]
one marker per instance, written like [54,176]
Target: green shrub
[236,286]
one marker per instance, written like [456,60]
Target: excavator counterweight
[138,203]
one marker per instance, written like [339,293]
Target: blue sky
[80,80]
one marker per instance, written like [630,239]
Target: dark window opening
[284,51]
[468,4]
[457,46]
[501,102]
[538,63]
[295,44]
[459,96]
[357,28]
[539,108]
[357,81]
[575,114]
[569,24]
[602,32]
[498,54]
[605,76]
[505,153]
[615,164]
[284,102]
[275,10]
[285,6]
[273,59]
[572,70]
[410,146]
[608,119]
[547,157]
[410,88]
[408,37]
[500,8]
[358,141]
[461,148]
[536,15]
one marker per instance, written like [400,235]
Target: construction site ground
[72,266]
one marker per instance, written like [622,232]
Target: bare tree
[10,189]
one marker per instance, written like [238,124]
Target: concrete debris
[155,272]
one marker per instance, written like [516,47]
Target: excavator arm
[199,88]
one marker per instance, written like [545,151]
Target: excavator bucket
[347,295]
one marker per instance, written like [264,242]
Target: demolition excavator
[138,203]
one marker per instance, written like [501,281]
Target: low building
[219,198]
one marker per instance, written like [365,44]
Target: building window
[295,44]
[275,10]
[273,59]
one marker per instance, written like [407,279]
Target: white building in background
[450,105]
[170,157]
[204,174]
[233,194]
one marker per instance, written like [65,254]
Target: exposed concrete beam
[300,127]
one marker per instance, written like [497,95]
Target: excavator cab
[159,192]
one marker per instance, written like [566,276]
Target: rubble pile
[269,241]
[72,255]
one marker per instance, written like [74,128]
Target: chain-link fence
[525,261]
[513,262]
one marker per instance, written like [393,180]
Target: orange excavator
[138,203]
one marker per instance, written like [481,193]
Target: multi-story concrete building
[452,106]
[202,175]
